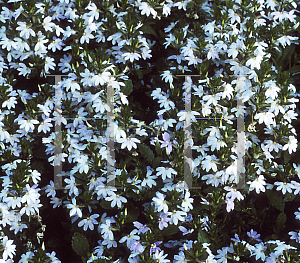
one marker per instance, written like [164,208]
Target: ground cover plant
[224,59]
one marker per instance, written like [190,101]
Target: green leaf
[148,30]
[158,148]
[275,199]
[170,230]
[294,70]
[105,204]
[146,152]
[286,157]
[288,197]
[132,216]
[156,162]
[202,236]
[128,88]
[281,219]
[286,55]
[80,244]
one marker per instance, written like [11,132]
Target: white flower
[286,40]
[212,99]
[167,76]
[25,30]
[223,254]
[259,251]
[131,56]
[209,27]
[165,172]
[258,184]
[271,145]
[297,169]
[233,50]
[183,115]
[57,159]
[187,202]
[23,69]
[83,164]
[89,222]
[160,203]
[233,193]
[87,35]
[27,125]
[284,187]
[210,163]
[10,103]
[182,4]
[75,210]
[229,204]
[289,115]
[47,24]
[166,103]
[150,179]
[56,202]
[106,229]
[238,68]
[275,107]
[233,17]
[214,179]
[215,143]
[295,235]
[130,238]
[94,11]
[101,78]
[128,142]
[212,52]
[185,231]
[295,185]
[266,117]
[9,248]
[116,199]
[272,89]
[71,184]
[176,215]
[7,43]
[291,145]
[146,9]
[49,64]
[45,125]
[228,89]
[254,62]
[166,9]
[56,44]
[52,257]
[160,257]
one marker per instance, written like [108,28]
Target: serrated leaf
[146,152]
[80,244]
[275,199]
[288,197]
[202,236]
[281,219]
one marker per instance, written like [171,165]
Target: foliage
[244,64]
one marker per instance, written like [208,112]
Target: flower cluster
[171,177]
